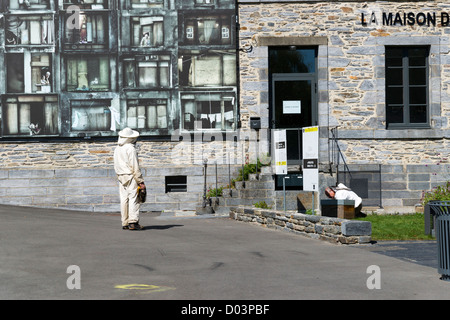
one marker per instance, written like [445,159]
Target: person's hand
[142,185]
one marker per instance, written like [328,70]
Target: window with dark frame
[27,5]
[207,30]
[23,30]
[88,73]
[91,115]
[147,31]
[86,4]
[176,183]
[407,87]
[30,115]
[209,110]
[142,4]
[152,71]
[147,114]
[39,80]
[91,31]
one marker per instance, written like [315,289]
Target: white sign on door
[292,106]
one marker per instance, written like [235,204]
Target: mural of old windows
[88,68]
[91,115]
[27,4]
[89,30]
[142,4]
[88,73]
[86,4]
[208,110]
[26,29]
[147,71]
[147,31]
[207,30]
[23,79]
[147,114]
[216,68]
[30,115]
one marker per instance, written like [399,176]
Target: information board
[279,138]
[310,143]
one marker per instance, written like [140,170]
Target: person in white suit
[126,166]
[341,192]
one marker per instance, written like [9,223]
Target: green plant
[248,169]
[439,193]
[214,192]
[262,205]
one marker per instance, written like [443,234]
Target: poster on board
[310,143]
[279,138]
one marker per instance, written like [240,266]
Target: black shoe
[135,226]
[125,228]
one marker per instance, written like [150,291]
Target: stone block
[356,228]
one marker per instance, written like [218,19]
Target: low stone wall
[96,189]
[317,227]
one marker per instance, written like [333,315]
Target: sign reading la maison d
[405,19]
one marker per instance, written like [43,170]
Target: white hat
[128,133]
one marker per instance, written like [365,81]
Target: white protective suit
[129,174]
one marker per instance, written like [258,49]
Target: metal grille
[441,209]
[365,183]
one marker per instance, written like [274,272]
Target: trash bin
[441,210]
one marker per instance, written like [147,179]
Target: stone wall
[317,227]
[82,177]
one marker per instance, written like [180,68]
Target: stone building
[192,76]
[374,76]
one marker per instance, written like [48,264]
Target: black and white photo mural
[89,68]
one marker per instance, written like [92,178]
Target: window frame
[192,31]
[193,66]
[84,104]
[146,103]
[27,41]
[87,58]
[32,83]
[149,4]
[198,101]
[134,24]
[406,89]
[135,62]
[84,45]
[34,102]
[86,6]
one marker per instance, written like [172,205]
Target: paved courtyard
[194,258]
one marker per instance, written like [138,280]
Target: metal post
[229,172]
[284,194]
[205,164]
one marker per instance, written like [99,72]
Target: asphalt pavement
[52,254]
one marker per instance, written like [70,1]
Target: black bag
[142,194]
